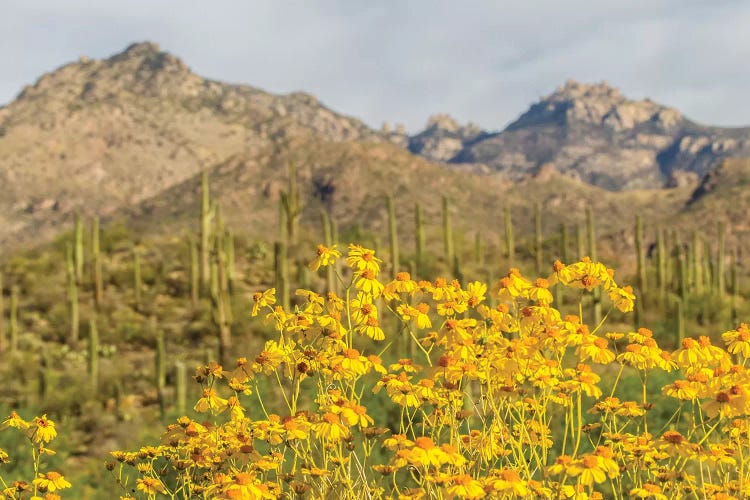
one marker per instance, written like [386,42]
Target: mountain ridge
[594,133]
[100,136]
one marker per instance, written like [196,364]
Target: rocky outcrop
[443,138]
[594,133]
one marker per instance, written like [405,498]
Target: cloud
[402,61]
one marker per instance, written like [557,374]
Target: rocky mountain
[593,133]
[95,135]
[127,136]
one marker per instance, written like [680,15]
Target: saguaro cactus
[597,293]
[43,377]
[680,315]
[478,249]
[697,263]
[230,258]
[194,272]
[160,356]
[447,232]
[510,244]
[72,298]
[328,241]
[93,361]
[3,339]
[137,278]
[160,368]
[661,265]
[419,239]
[180,386]
[205,232]
[290,200]
[640,255]
[393,235]
[221,303]
[13,319]
[78,249]
[580,241]
[735,286]
[281,272]
[96,263]
[564,244]
[720,256]
[538,238]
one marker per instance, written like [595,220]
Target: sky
[403,60]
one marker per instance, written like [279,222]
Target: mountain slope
[351,181]
[593,133]
[95,135]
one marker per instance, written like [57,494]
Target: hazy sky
[403,60]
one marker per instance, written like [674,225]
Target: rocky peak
[573,89]
[149,59]
[442,121]
[443,138]
[140,49]
[598,104]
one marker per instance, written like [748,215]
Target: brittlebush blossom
[465,486]
[363,259]
[738,340]
[326,256]
[42,430]
[263,299]
[150,486]
[51,481]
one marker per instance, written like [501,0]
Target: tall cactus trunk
[3,334]
[281,273]
[597,293]
[205,233]
[329,242]
[96,267]
[93,361]
[709,268]
[43,377]
[697,264]
[290,200]
[230,257]
[447,232]
[478,249]
[160,363]
[393,235]
[510,244]
[220,296]
[720,279]
[564,256]
[735,287]
[661,266]
[419,240]
[73,316]
[194,272]
[78,249]
[13,319]
[564,244]
[538,239]
[580,241]
[137,279]
[640,252]
[180,387]
[680,315]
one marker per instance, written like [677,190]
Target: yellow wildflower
[263,299]
[326,256]
[51,481]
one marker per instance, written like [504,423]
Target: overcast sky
[403,60]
